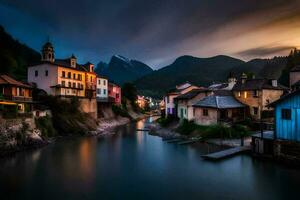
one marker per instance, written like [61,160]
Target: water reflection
[135,165]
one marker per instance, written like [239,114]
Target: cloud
[264,51]
[157,30]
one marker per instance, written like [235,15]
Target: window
[117,95]
[98,91]
[74,76]
[63,74]
[69,74]
[74,85]
[91,78]
[245,94]
[205,112]
[99,82]
[255,93]
[69,84]
[255,110]
[104,82]
[78,85]
[36,73]
[63,83]
[104,91]
[239,94]
[286,114]
[46,73]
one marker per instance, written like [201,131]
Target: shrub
[166,121]
[46,126]
[119,110]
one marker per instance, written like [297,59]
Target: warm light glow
[245,94]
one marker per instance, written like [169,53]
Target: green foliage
[67,118]
[15,57]
[121,111]
[166,121]
[46,126]
[212,131]
[129,92]
[292,60]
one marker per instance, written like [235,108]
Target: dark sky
[155,31]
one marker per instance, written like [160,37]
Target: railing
[15,98]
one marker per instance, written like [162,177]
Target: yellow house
[63,77]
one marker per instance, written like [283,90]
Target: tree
[292,60]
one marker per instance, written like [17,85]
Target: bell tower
[48,52]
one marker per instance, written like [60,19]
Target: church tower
[48,52]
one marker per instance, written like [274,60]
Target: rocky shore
[165,133]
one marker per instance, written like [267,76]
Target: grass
[212,131]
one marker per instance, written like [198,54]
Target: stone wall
[89,106]
[287,151]
[212,117]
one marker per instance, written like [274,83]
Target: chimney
[244,78]
[274,82]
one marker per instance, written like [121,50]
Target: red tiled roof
[6,80]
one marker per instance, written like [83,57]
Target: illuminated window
[255,93]
[245,94]
[239,94]
[63,83]
[63,74]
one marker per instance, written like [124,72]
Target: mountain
[15,56]
[205,71]
[121,69]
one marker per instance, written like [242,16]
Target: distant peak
[122,58]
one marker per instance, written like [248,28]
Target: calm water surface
[135,165]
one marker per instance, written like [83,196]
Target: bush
[187,127]
[119,110]
[46,126]
[166,121]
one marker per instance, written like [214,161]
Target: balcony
[90,86]
[15,98]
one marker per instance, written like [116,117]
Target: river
[135,165]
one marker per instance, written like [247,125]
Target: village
[259,112]
[259,109]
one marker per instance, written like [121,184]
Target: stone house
[170,104]
[185,102]
[216,109]
[257,94]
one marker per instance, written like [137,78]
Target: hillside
[204,71]
[122,70]
[14,56]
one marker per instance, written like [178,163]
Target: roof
[219,102]
[218,86]
[222,92]
[176,91]
[257,84]
[7,80]
[67,64]
[295,69]
[101,76]
[289,95]
[191,94]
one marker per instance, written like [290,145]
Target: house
[287,117]
[257,94]
[65,78]
[186,101]
[102,88]
[215,109]
[114,93]
[15,93]
[170,104]
[141,102]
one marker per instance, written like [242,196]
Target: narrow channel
[131,164]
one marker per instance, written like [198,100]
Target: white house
[185,102]
[102,88]
[170,104]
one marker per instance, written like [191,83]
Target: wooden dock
[226,153]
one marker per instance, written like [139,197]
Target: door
[181,113]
